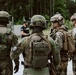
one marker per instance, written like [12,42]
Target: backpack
[40,48]
[68,43]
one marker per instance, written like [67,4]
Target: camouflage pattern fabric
[62,69]
[4,14]
[74,33]
[57,18]
[8,41]
[6,67]
[59,42]
[73,17]
[30,71]
[38,20]
[74,54]
[23,46]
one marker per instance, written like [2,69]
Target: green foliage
[71,6]
[19,22]
[60,6]
[48,20]
[46,16]
[69,24]
[20,8]
[29,5]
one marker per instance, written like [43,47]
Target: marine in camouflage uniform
[73,19]
[38,24]
[57,35]
[7,41]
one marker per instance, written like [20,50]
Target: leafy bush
[46,16]
[48,23]
[19,22]
[69,24]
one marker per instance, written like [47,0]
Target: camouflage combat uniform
[58,36]
[23,46]
[73,31]
[7,41]
[64,54]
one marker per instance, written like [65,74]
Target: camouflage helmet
[57,18]
[73,17]
[4,17]
[4,14]
[38,21]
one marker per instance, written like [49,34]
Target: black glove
[16,68]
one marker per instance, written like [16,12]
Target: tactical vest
[38,52]
[5,45]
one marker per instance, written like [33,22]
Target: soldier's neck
[37,30]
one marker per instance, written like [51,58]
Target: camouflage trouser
[63,68]
[6,67]
[31,71]
[74,64]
